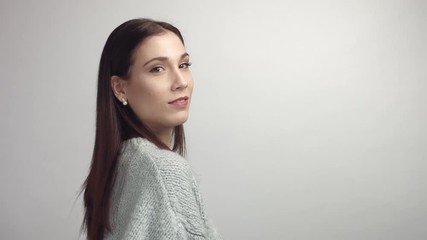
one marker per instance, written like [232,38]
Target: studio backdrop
[308,119]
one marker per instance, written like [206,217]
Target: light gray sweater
[155,196]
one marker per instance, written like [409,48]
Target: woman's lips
[179,102]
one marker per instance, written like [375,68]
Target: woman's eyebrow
[185,55]
[162,59]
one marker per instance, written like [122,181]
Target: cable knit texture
[155,196]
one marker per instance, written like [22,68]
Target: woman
[139,185]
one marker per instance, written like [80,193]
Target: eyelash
[182,66]
[185,65]
[156,69]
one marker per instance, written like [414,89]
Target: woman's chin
[179,119]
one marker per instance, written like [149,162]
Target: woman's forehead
[166,44]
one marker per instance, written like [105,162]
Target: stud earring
[125,102]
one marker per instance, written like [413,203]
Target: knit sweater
[156,197]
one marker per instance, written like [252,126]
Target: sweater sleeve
[141,208]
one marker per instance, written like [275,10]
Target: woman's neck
[164,135]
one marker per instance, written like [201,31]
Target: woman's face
[160,85]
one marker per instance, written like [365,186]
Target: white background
[309,118]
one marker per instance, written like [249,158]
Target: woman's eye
[185,65]
[156,69]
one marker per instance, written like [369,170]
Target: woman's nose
[180,81]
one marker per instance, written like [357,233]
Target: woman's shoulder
[139,153]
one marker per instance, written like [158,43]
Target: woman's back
[155,196]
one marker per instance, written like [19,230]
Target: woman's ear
[118,85]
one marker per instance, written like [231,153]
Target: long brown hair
[116,123]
